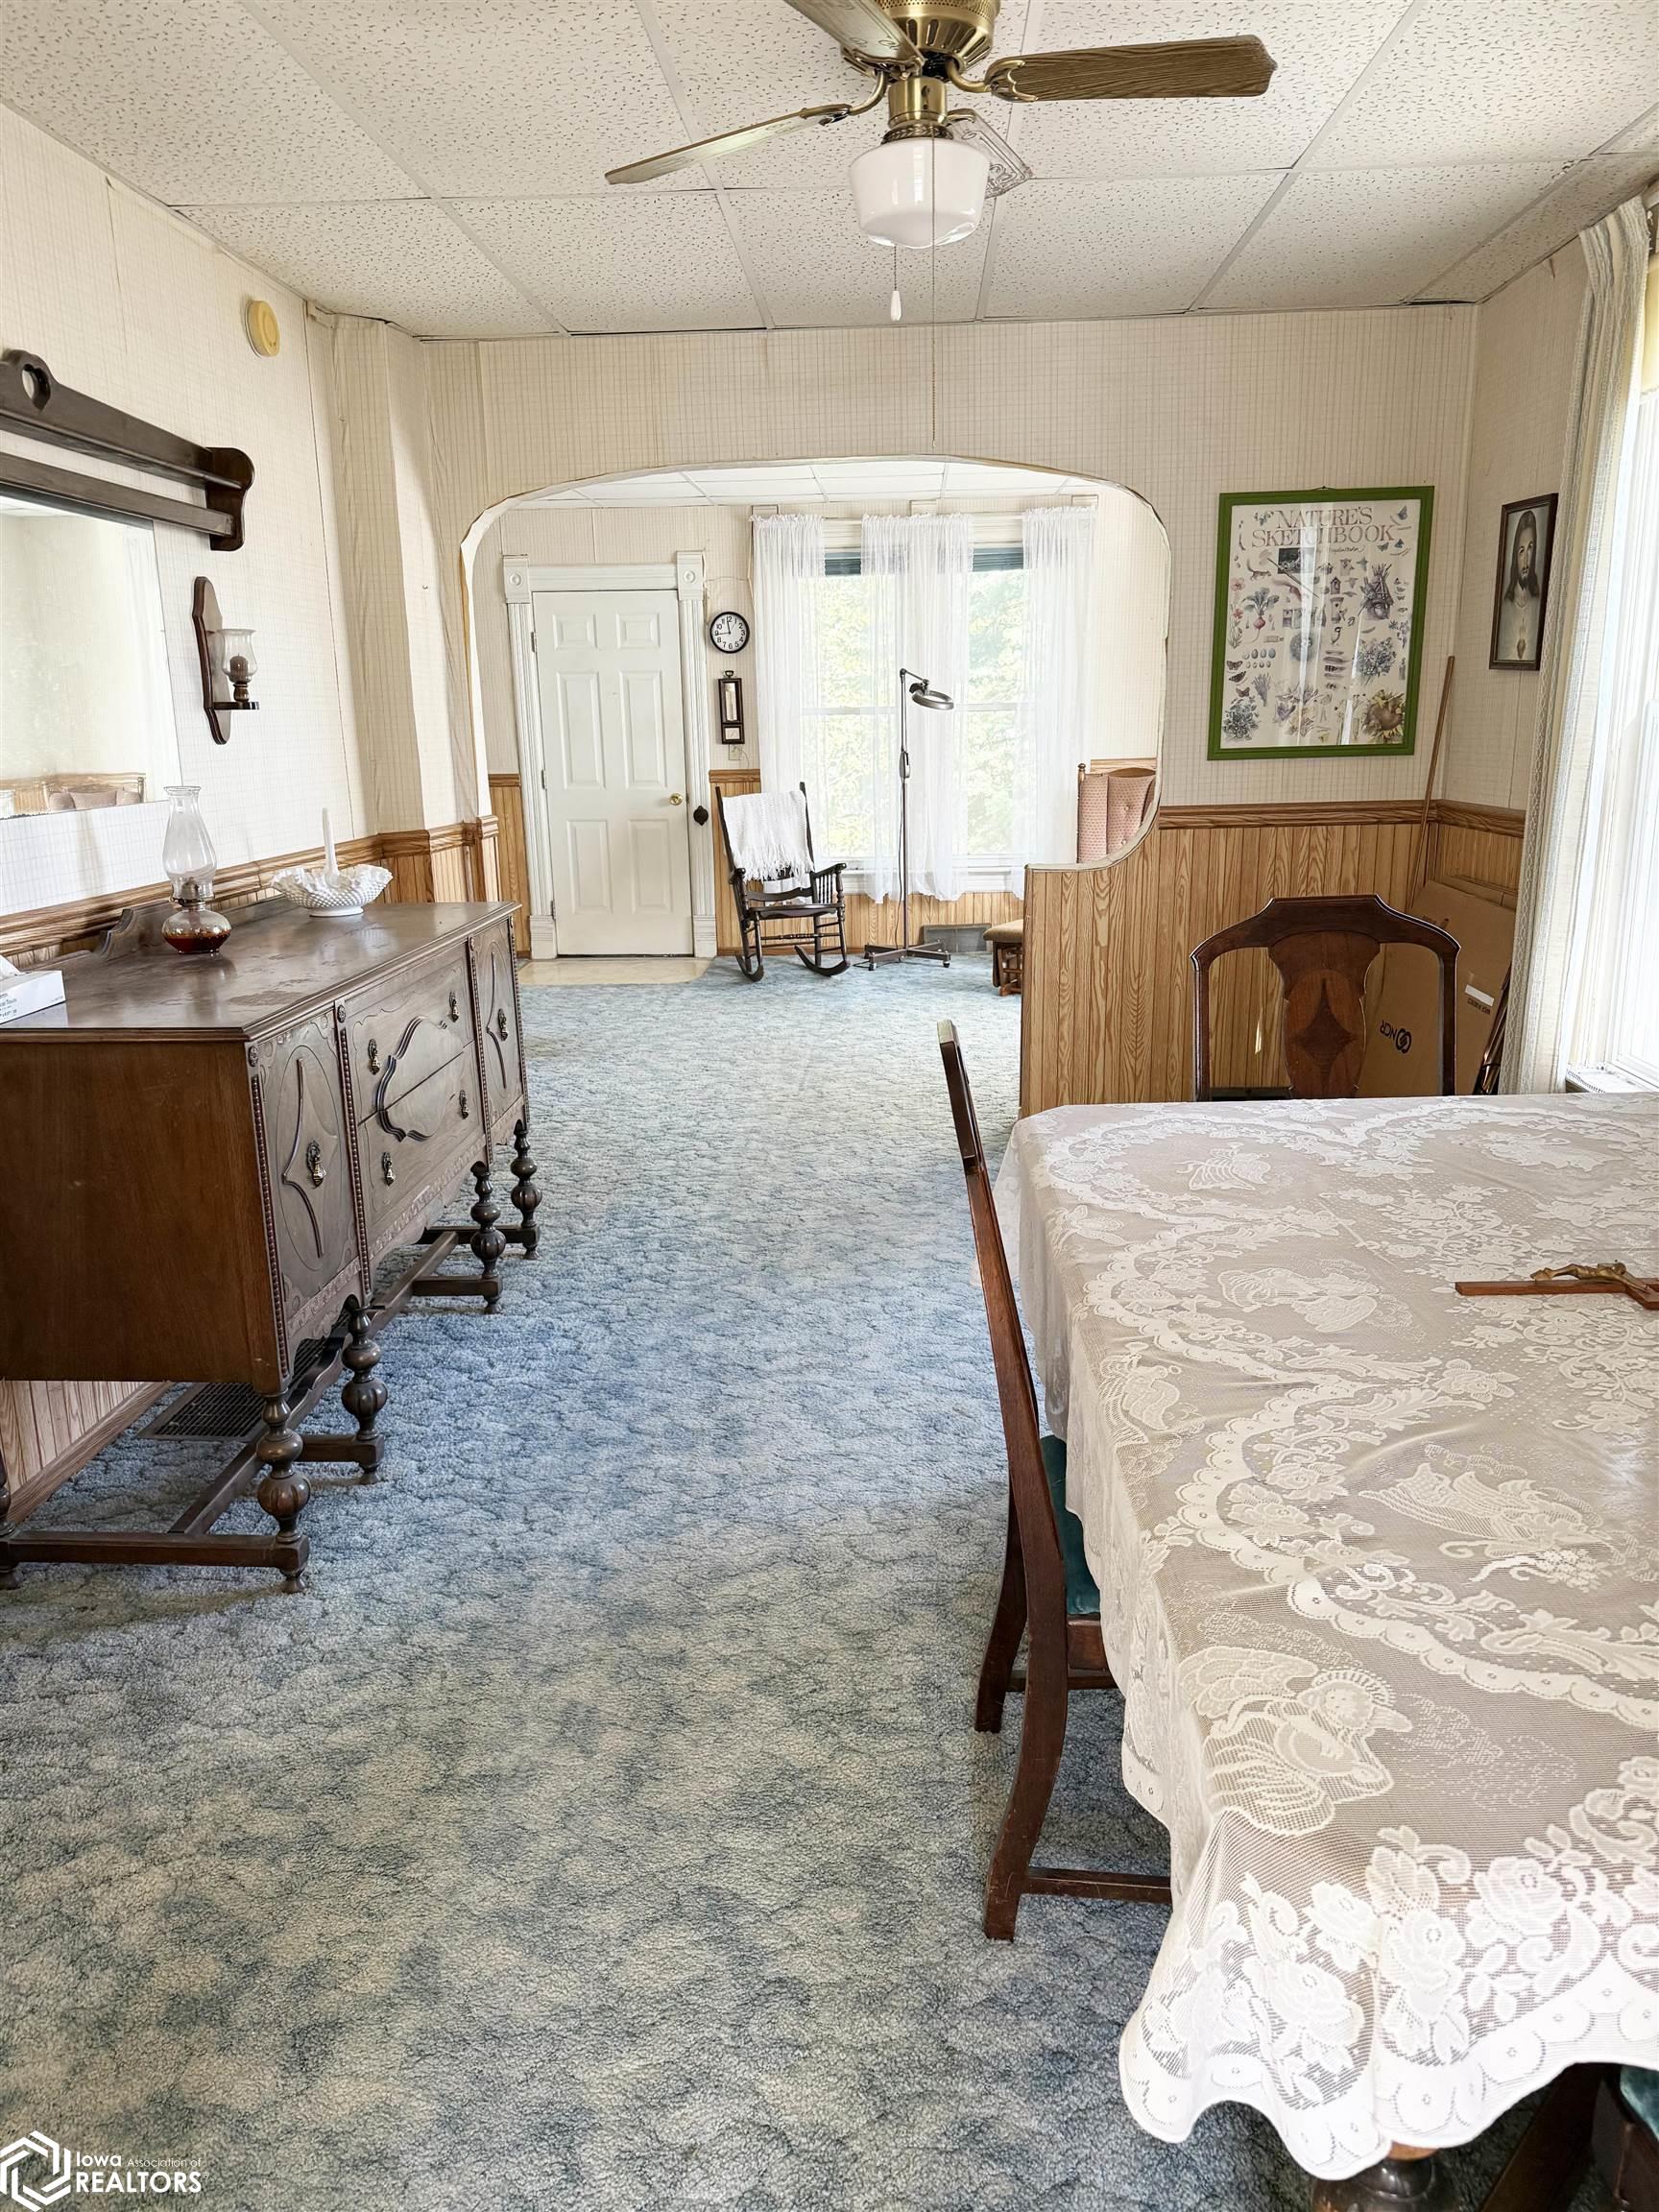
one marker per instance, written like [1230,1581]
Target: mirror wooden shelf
[34,404]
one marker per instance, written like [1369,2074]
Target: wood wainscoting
[507,804]
[50,1430]
[1477,845]
[1108,996]
[456,861]
[869,920]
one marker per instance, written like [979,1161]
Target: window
[1616,1030]
[857,703]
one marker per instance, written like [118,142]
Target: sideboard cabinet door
[308,1167]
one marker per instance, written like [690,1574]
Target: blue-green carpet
[605,1826]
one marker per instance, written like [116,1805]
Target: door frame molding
[683,576]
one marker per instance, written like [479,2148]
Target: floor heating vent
[226,1410]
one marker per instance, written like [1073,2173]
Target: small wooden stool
[1008,942]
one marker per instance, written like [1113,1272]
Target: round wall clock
[728,633]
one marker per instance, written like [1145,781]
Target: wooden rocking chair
[1046,1586]
[807,895]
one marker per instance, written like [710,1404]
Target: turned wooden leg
[487,1241]
[1007,1626]
[1406,2180]
[281,1492]
[363,1394]
[525,1195]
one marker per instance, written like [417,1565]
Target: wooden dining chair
[1047,1590]
[1322,949]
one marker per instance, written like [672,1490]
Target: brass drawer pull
[502,1024]
[386,1174]
[314,1166]
[454,1007]
[465,1108]
[374,1057]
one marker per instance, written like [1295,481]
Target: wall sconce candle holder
[228,663]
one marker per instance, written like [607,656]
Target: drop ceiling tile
[664,261]
[1319,49]
[1640,138]
[487,98]
[1583,196]
[403,260]
[1368,238]
[1502,81]
[189,100]
[1122,246]
[817,268]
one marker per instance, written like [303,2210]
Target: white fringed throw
[768,834]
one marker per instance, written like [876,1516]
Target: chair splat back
[1016,1393]
[1323,948]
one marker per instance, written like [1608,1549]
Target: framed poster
[1526,542]
[1319,600]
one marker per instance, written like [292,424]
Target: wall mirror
[86,721]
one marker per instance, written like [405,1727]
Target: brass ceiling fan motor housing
[959,30]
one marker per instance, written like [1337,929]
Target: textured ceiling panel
[403,260]
[1127,247]
[1642,136]
[1367,237]
[486,97]
[885,479]
[816,267]
[1582,197]
[661,262]
[186,99]
[1501,80]
[1319,48]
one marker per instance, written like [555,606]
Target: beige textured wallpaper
[1526,361]
[127,302]
[1178,411]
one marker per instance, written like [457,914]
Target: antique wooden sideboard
[208,1160]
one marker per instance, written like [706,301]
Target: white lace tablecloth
[1380,1580]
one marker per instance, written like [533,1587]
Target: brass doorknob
[675,799]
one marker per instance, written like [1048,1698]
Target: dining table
[1379,1573]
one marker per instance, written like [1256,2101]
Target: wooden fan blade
[1183,69]
[728,142]
[860,26]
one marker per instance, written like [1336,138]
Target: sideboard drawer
[397,1041]
[438,1131]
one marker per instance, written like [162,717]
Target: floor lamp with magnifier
[913,691]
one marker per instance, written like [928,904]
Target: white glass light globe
[919,192]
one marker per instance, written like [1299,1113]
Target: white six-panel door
[614,742]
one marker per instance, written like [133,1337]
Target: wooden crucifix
[1612,1275]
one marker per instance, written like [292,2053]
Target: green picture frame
[1320,599]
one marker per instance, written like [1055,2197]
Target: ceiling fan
[927,184]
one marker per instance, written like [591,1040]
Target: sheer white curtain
[1613,990]
[1549,907]
[1057,707]
[917,568]
[788,573]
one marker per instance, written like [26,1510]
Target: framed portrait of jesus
[1526,542]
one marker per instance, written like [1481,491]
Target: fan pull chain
[895,305]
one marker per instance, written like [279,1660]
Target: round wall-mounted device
[728,633]
[264,333]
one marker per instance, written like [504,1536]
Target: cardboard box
[1403,1006]
[29,991]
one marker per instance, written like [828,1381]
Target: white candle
[330,864]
